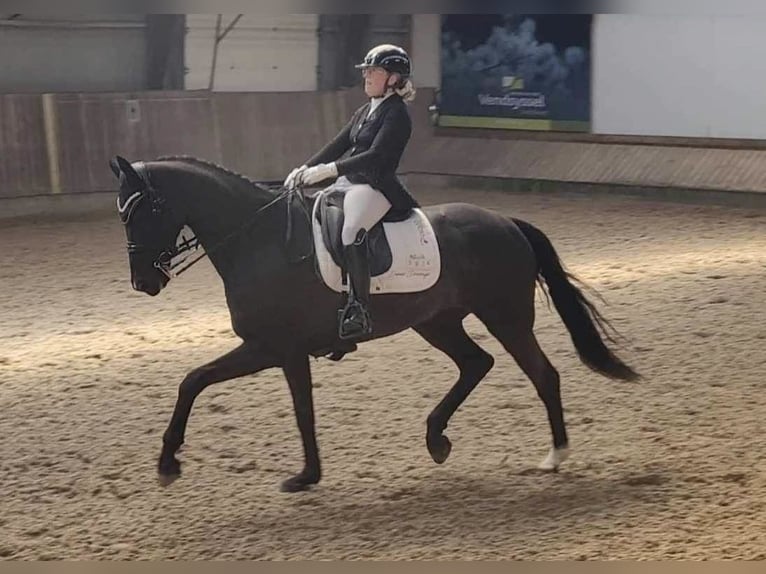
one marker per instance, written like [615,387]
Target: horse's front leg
[244,360]
[298,373]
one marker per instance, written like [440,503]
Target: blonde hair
[407,91]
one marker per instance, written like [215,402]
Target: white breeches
[363,207]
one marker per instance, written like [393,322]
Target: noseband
[148,192]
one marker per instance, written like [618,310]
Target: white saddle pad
[415,251]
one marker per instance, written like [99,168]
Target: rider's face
[376,80]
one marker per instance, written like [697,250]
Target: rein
[164,259]
[193,244]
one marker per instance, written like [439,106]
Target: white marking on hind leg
[554,459]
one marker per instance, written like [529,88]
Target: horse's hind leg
[446,333]
[519,340]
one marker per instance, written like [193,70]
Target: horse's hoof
[298,483]
[166,480]
[554,459]
[440,448]
[168,472]
[344,349]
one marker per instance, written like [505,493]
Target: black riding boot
[354,319]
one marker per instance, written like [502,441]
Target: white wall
[426,50]
[263,52]
[739,64]
[697,76]
[73,53]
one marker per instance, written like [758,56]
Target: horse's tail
[582,319]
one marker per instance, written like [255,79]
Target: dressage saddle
[330,217]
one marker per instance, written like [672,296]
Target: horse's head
[152,228]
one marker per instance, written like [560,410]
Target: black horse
[258,239]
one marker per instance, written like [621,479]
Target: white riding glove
[293,179]
[318,173]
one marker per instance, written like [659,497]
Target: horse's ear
[124,166]
[115,167]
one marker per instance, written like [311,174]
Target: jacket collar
[377,104]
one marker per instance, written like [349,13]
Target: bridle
[159,208]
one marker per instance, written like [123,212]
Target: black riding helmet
[391,58]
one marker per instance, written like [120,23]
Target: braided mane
[213,165]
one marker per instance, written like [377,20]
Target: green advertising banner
[516,71]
